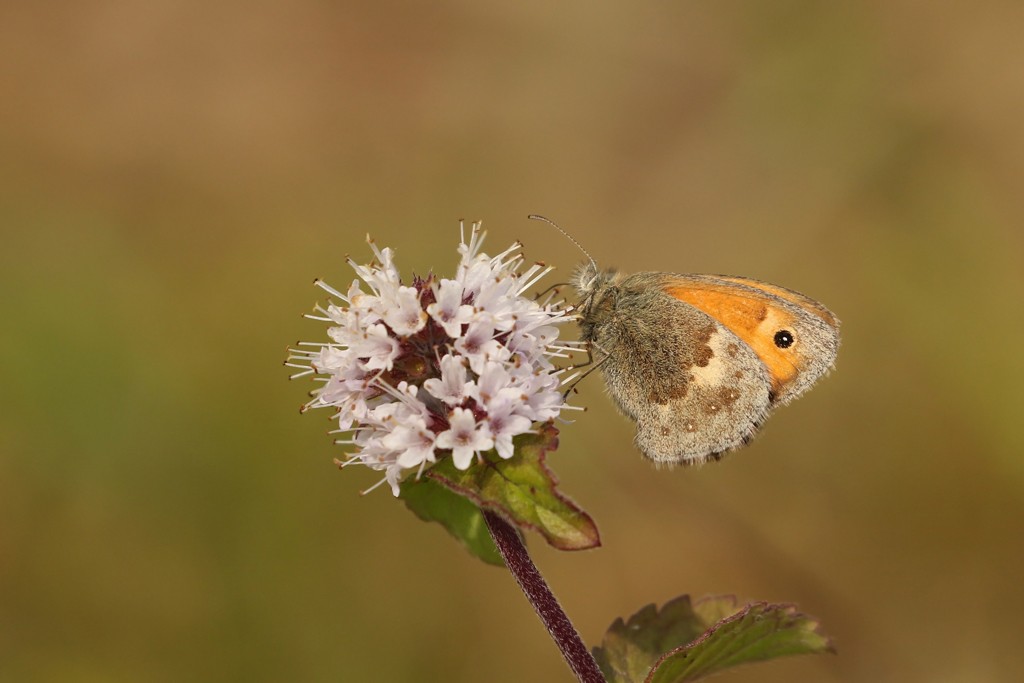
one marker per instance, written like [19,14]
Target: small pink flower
[451,388]
[405,316]
[418,371]
[448,310]
[464,437]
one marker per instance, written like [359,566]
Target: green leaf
[758,632]
[524,491]
[432,502]
[685,642]
[631,648]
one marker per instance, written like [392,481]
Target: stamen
[314,404]
[496,260]
[419,472]
[363,493]
[392,391]
[568,379]
[566,346]
[330,290]
[533,281]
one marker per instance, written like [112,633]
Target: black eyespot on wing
[784,339]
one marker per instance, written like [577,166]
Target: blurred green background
[173,175]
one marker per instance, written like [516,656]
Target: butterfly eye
[784,339]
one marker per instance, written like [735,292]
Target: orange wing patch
[796,298]
[752,317]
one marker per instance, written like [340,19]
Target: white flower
[478,345]
[543,398]
[495,386]
[448,310]
[464,437]
[405,316]
[413,440]
[377,347]
[503,424]
[451,388]
[417,372]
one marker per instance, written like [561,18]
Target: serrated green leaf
[758,632]
[433,502]
[631,648]
[679,642]
[524,491]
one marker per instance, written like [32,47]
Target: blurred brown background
[173,175]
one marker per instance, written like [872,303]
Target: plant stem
[529,578]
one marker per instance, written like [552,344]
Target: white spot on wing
[714,373]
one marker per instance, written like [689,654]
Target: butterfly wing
[693,386]
[795,337]
[699,360]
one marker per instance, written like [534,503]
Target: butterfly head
[588,280]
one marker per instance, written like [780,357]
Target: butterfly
[699,361]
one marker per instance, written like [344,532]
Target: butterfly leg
[590,361]
[553,288]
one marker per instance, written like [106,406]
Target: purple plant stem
[529,578]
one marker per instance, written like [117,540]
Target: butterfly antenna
[572,239]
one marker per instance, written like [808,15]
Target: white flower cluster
[460,365]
